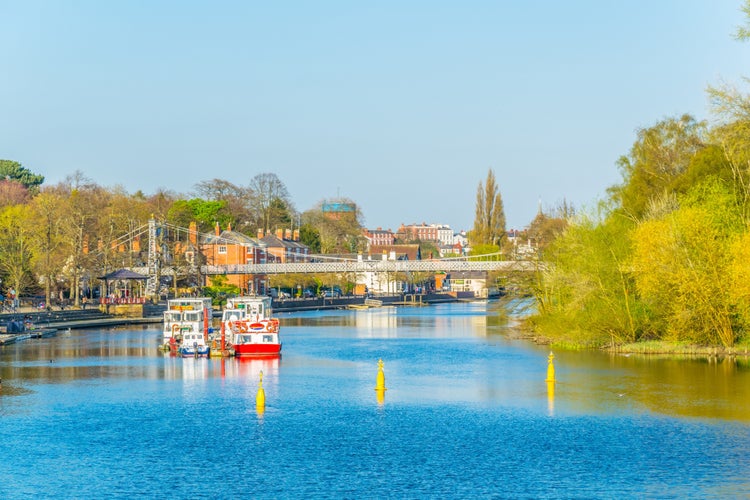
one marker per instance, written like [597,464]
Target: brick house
[227,248]
[284,247]
[379,237]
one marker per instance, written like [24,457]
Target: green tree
[585,292]
[12,170]
[340,231]
[236,202]
[681,261]
[310,236]
[48,210]
[16,248]
[489,220]
[206,213]
[660,155]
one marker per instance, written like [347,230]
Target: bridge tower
[153,260]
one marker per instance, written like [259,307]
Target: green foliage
[16,248]
[13,170]
[485,249]
[660,155]
[659,263]
[339,232]
[489,220]
[310,236]
[221,290]
[680,263]
[585,294]
[205,213]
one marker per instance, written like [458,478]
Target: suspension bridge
[315,264]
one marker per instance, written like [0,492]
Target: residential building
[385,282]
[417,232]
[228,248]
[284,247]
[439,233]
[379,237]
[461,239]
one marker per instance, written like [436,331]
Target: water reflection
[690,387]
[440,321]
[454,354]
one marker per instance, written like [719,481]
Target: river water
[467,413]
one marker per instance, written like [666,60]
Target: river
[467,413]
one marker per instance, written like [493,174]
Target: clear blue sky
[402,106]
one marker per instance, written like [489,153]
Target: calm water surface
[104,414]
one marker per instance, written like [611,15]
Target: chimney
[280,234]
[229,227]
[217,229]
[295,235]
[287,234]
[260,233]
[193,233]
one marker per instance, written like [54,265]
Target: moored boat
[193,345]
[186,317]
[249,327]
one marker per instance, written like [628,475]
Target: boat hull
[194,352]
[254,350]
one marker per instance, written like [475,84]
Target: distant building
[337,210]
[460,239]
[284,247]
[379,237]
[227,248]
[439,233]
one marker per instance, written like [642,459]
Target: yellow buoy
[260,398]
[380,396]
[380,380]
[551,397]
[550,368]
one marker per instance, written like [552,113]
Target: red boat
[249,328]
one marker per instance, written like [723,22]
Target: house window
[222,249]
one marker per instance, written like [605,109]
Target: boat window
[192,316]
[267,338]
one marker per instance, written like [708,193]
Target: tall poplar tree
[489,220]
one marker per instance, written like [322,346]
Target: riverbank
[647,348]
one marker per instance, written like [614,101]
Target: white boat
[249,327]
[193,345]
[186,316]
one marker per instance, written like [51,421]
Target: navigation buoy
[260,398]
[550,368]
[380,380]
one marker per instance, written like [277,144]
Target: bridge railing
[379,266]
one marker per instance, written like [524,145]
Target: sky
[401,106]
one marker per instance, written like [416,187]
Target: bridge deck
[378,266]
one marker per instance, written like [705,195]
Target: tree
[340,231]
[585,293]
[660,155]
[12,192]
[489,220]
[544,229]
[236,201]
[16,247]
[681,261]
[12,170]
[206,213]
[46,219]
[310,236]
[270,203]
[743,32]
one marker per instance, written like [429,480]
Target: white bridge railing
[362,266]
